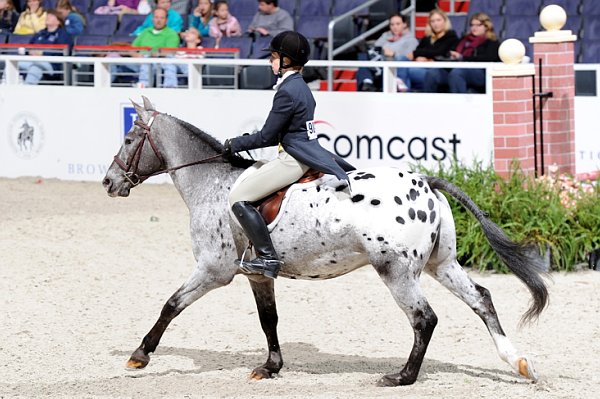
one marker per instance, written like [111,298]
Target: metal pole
[533,97]
[541,118]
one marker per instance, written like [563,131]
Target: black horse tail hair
[522,259]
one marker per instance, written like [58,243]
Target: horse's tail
[523,260]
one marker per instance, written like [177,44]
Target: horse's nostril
[106,182]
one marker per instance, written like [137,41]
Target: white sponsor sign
[77,130]
[587,134]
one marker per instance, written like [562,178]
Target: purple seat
[590,51]
[341,7]
[522,7]
[591,27]
[244,43]
[23,39]
[122,39]
[590,7]
[244,21]
[97,3]
[313,26]
[459,23]
[490,7]
[83,6]
[208,42]
[314,8]
[243,8]
[288,5]
[91,40]
[3,37]
[521,26]
[129,23]
[260,43]
[101,25]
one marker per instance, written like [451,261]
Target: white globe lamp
[511,51]
[553,17]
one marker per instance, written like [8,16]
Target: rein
[131,166]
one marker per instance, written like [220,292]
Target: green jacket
[166,37]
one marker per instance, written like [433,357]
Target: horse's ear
[147,104]
[138,108]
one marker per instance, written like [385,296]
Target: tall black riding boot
[267,262]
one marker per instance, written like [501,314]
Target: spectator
[398,41]
[174,20]
[74,21]
[181,7]
[479,45]
[54,33]
[157,36]
[438,41]
[8,16]
[119,7]
[192,40]
[270,20]
[32,20]
[223,23]
[201,17]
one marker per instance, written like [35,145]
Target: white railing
[102,70]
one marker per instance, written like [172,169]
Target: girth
[269,207]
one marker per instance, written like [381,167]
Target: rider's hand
[227,148]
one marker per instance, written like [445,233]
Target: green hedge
[527,209]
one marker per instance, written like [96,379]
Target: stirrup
[261,266]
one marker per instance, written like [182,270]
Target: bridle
[131,166]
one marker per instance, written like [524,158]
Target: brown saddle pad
[269,207]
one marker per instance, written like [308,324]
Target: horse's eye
[128,140]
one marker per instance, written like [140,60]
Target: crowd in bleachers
[234,25]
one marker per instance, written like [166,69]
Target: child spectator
[438,41]
[201,17]
[74,21]
[8,16]
[192,40]
[479,45]
[223,23]
[270,20]
[174,20]
[32,20]
[54,33]
[119,7]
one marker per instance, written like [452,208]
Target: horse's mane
[234,160]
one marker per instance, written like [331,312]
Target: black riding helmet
[291,44]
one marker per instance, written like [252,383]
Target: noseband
[131,166]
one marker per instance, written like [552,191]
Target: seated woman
[119,7]
[54,33]
[438,41]
[397,42]
[479,45]
[223,23]
[32,20]
[201,17]
[74,21]
[8,16]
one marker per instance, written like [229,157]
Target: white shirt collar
[284,77]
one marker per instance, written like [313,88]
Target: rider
[290,125]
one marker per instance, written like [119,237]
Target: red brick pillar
[556,52]
[513,117]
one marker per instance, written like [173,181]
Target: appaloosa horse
[393,219]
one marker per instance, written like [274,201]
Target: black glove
[227,148]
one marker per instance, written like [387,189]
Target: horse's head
[138,158]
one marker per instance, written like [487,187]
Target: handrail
[331,52]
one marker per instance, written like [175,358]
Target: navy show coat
[294,106]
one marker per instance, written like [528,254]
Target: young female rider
[289,125]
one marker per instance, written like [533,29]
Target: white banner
[72,133]
[587,134]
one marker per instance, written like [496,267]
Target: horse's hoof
[526,369]
[394,380]
[260,373]
[138,360]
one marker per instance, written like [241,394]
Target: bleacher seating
[341,7]
[20,39]
[591,51]
[92,40]
[591,27]
[570,6]
[490,7]
[3,37]
[83,6]
[590,7]
[97,3]
[522,8]
[459,23]
[244,43]
[129,23]
[104,25]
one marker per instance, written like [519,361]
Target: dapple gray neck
[197,184]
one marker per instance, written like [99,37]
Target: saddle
[269,206]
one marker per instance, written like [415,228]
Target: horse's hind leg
[264,294]
[198,284]
[404,286]
[452,276]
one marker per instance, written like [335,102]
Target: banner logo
[26,135]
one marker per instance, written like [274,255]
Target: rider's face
[275,63]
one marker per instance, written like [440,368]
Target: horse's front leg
[264,294]
[203,280]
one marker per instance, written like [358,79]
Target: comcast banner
[72,133]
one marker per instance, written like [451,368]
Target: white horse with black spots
[395,220]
